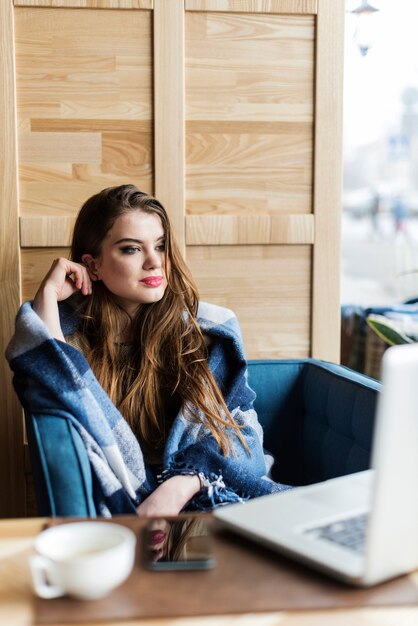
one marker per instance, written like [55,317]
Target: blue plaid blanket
[53,378]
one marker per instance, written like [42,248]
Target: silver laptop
[361,528]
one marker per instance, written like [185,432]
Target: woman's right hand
[59,285]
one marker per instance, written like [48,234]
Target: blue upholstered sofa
[317,418]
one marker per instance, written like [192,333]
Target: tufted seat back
[317,417]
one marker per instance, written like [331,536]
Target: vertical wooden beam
[169,115]
[327,180]
[12,477]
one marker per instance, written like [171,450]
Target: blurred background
[380,191]
[380,200]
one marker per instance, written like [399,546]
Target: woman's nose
[153,260]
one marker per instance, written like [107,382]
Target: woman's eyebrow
[124,239]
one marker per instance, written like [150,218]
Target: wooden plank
[62,40]
[169,176]
[87,4]
[84,105]
[247,68]
[54,198]
[223,149]
[60,147]
[250,108]
[35,264]
[268,287]
[326,313]
[124,150]
[241,167]
[12,476]
[206,230]
[307,7]
[245,128]
[88,125]
[258,112]
[46,231]
[76,108]
[270,198]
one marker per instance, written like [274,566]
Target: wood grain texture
[89,126]
[48,198]
[243,167]
[17,606]
[249,129]
[46,231]
[268,287]
[249,67]
[84,93]
[218,230]
[254,6]
[35,264]
[12,477]
[87,4]
[169,111]
[326,315]
[60,148]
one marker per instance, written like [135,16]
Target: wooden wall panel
[249,111]
[35,264]
[169,111]
[327,189]
[12,478]
[46,231]
[84,105]
[252,67]
[250,167]
[249,175]
[268,287]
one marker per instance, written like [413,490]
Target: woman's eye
[161,247]
[129,250]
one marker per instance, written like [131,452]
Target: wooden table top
[16,544]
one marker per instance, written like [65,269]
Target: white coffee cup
[84,560]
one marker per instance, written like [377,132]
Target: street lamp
[364,33]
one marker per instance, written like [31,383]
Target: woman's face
[131,263]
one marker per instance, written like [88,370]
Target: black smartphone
[178,543]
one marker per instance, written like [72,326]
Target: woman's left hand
[170,497]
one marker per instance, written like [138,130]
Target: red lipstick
[152,281]
[156,537]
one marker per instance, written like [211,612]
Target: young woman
[172,367]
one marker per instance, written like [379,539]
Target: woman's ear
[91,265]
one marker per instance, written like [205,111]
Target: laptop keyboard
[349,532]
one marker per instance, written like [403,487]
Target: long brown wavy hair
[168,358]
